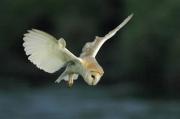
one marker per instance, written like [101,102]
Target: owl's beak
[96,80]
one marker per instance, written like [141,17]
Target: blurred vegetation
[145,52]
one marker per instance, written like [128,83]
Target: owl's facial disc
[93,71]
[92,78]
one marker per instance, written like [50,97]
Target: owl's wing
[92,48]
[46,52]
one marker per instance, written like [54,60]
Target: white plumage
[45,51]
[50,55]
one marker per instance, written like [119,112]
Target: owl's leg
[71,79]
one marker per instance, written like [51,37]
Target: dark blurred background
[141,62]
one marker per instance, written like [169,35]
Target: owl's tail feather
[60,78]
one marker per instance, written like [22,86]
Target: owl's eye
[93,77]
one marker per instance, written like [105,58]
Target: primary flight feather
[50,55]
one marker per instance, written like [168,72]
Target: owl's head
[93,71]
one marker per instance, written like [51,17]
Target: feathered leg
[71,80]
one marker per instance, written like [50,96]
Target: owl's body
[88,65]
[50,55]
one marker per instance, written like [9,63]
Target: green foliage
[146,50]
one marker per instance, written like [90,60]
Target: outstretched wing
[46,52]
[92,48]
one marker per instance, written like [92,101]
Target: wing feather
[45,51]
[92,48]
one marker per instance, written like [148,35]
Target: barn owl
[50,55]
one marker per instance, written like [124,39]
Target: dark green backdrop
[142,60]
